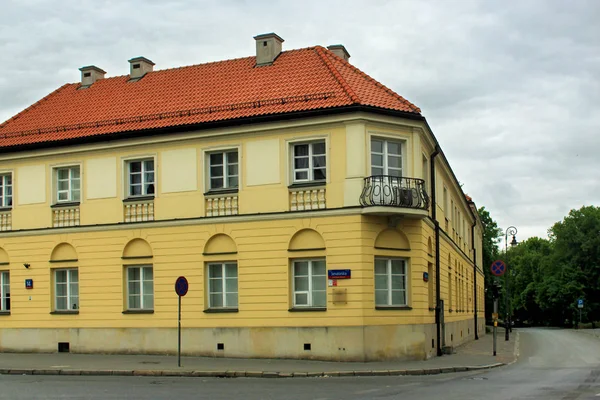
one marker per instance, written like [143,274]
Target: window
[66,289]
[6,190]
[141,178]
[224,170]
[310,283]
[390,282]
[140,288]
[386,158]
[310,162]
[222,285]
[68,184]
[4,291]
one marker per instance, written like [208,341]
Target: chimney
[139,66]
[91,74]
[340,51]
[268,47]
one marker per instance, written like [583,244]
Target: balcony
[5,220]
[221,205]
[65,215]
[304,199]
[387,195]
[141,210]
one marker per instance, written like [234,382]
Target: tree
[491,238]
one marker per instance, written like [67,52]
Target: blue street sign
[28,283]
[580,303]
[181,286]
[498,268]
[339,274]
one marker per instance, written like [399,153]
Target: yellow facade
[262,227]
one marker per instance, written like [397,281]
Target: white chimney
[340,51]
[91,74]
[268,47]
[139,66]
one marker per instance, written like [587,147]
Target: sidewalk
[475,355]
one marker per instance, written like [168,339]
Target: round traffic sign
[498,268]
[181,286]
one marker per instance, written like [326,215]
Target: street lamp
[511,230]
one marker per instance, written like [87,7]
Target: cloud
[511,90]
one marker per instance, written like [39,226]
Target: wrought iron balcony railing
[394,191]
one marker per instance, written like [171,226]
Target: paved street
[553,364]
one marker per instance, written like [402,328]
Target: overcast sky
[511,89]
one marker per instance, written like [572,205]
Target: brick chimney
[340,51]
[268,47]
[139,66]
[91,74]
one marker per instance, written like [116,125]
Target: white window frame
[4,185]
[69,295]
[70,191]
[143,183]
[390,289]
[310,170]
[223,285]
[142,293]
[226,164]
[386,139]
[310,292]
[4,295]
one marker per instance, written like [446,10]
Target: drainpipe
[474,274]
[438,312]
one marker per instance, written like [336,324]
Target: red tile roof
[299,80]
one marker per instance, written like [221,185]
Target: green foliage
[548,276]
[491,238]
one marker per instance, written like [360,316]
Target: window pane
[61,289]
[231,270]
[232,157]
[63,185]
[232,300]
[8,179]
[397,266]
[216,183]
[319,283]
[148,301]
[380,266]
[133,274]
[216,300]
[381,297]
[232,169]
[376,171]
[302,175]
[398,282]
[134,302]
[216,159]
[215,286]
[74,304]
[134,288]
[319,298]
[149,177]
[394,162]
[381,281]
[216,171]
[300,163]
[135,166]
[318,148]
[393,148]
[301,150]
[148,273]
[73,275]
[377,160]
[149,189]
[301,284]
[75,173]
[148,288]
[61,276]
[215,270]
[62,196]
[149,165]
[75,184]
[8,190]
[319,174]
[398,297]
[63,174]
[74,288]
[61,303]
[232,182]
[301,299]
[135,179]
[377,146]
[301,268]
[231,285]
[318,267]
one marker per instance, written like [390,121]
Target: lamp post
[511,230]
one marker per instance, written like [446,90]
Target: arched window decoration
[306,239]
[220,244]
[137,248]
[63,252]
[392,239]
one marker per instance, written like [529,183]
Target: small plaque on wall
[28,283]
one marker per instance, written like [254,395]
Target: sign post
[580,306]
[181,288]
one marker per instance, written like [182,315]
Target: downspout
[438,312]
[474,275]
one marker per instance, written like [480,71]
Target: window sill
[4,313]
[138,198]
[307,309]
[320,184]
[64,312]
[393,308]
[5,209]
[218,192]
[66,204]
[221,310]
[138,312]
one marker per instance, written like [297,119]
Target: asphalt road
[553,364]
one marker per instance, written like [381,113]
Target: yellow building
[310,208]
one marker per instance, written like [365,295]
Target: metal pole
[179,333]
[495,323]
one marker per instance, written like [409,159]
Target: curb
[246,374]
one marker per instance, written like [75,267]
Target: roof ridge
[16,116]
[379,84]
[336,74]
